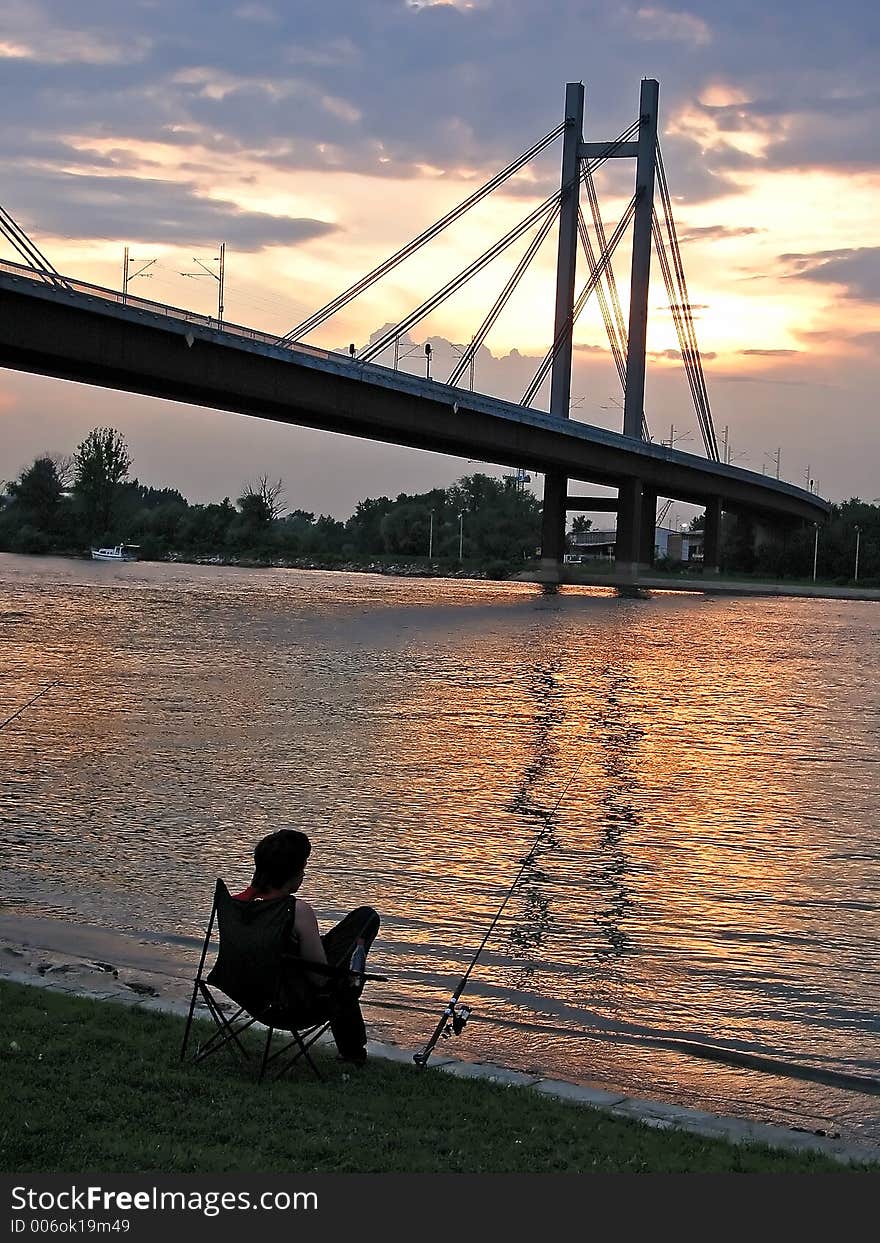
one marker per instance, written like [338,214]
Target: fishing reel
[452,1023]
[458,1021]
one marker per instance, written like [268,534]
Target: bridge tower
[556,481]
[637,504]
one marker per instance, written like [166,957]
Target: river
[710,874]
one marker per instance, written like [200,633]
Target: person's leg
[357,928]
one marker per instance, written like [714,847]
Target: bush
[28,539]
[499,569]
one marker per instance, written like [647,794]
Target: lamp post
[460,535]
[815,550]
[431,535]
[858,538]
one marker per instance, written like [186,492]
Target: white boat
[121,552]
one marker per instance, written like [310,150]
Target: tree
[272,495]
[38,491]
[581,524]
[101,463]
[64,468]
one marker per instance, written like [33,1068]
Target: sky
[315,140]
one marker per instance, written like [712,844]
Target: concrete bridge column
[648,527]
[712,537]
[629,543]
[553,521]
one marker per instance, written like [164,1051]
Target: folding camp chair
[258,971]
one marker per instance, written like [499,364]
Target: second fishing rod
[455,1015]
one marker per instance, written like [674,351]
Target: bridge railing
[134,303]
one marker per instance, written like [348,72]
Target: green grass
[96,1086]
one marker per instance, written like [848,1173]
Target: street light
[220,277]
[431,535]
[460,534]
[858,537]
[815,550]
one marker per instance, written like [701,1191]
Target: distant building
[675,545]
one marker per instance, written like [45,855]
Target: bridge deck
[85,333]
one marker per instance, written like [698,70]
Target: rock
[145,990]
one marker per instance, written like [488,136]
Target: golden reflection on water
[711,872]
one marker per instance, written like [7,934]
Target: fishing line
[454,1016]
[24,707]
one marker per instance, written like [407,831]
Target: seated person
[279,867]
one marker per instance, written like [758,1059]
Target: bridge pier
[648,527]
[712,537]
[634,504]
[553,525]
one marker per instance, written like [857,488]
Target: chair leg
[222,1022]
[189,1020]
[265,1060]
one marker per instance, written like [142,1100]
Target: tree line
[68,504]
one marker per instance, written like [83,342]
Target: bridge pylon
[556,481]
[636,504]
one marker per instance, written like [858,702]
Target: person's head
[280,861]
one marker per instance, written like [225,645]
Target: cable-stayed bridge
[56,325]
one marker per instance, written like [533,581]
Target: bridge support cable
[613,242]
[686,310]
[504,297]
[614,328]
[29,251]
[452,286]
[619,321]
[360,286]
[683,341]
[551,204]
[342,299]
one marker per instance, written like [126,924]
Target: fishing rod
[455,1016]
[24,707]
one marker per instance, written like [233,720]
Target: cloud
[717,232]
[768,353]
[856,269]
[151,210]
[658,24]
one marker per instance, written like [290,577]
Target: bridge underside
[85,339]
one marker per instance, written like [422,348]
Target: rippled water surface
[710,875]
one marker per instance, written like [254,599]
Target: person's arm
[310,945]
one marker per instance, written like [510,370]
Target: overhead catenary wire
[318,317]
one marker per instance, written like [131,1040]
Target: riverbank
[496,571]
[574,576]
[616,1131]
[382,1118]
